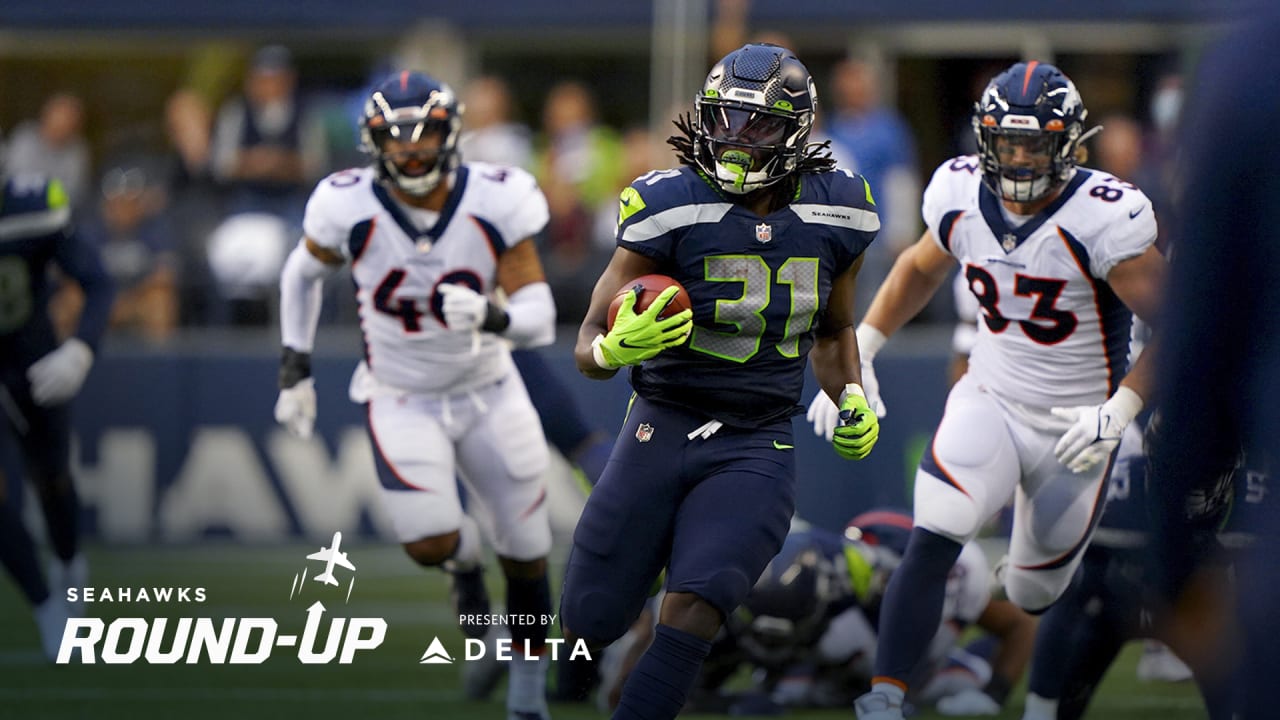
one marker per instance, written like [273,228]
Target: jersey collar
[446,214]
[1010,238]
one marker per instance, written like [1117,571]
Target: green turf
[385,683]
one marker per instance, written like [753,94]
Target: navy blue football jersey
[1126,521]
[35,230]
[758,286]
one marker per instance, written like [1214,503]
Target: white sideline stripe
[365,694]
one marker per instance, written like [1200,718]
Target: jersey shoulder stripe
[33,206]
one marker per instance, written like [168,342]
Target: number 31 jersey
[398,264]
[758,285]
[1051,331]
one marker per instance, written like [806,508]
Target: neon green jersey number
[15,294]
[747,311]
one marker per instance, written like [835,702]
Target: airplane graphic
[331,556]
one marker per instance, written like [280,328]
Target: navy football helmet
[1034,107]
[406,108]
[754,115]
[885,527]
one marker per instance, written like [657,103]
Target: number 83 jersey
[1050,330]
[401,256]
[758,286]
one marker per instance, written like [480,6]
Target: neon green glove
[636,338]
[859,428]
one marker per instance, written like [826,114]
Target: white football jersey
[398,266]
[1051,332]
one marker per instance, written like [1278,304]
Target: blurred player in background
[1113,599]
[1222,368]
[432,243]
[809,626]
[1056,256]
[39,376]
[767,239]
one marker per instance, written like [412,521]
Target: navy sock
[658,687]
[18,554]
[575,679]
[61,508]
[912,605]
[529,596]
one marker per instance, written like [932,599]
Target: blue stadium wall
[183,447]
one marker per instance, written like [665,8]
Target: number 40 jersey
[1051,331]
[400,257]
[758,286]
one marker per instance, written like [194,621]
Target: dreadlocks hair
[816,157]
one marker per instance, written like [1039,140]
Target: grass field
[385,683]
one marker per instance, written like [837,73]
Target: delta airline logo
[220,641]
[436,654]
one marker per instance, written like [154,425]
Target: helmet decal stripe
[1026,79]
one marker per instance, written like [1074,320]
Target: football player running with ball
[1057,256]
[767,238]
[430,241]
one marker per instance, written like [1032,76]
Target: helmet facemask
[1024,166]
[746,148]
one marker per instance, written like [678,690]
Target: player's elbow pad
[532,314]
[301,287]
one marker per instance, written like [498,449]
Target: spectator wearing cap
[130,226]
[264,150]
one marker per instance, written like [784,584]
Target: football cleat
[51,618]
[1159,664]
[877,706]
[481,677]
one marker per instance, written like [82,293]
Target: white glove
[296,408]
[968,703]
[463,308]
[824,415]
[57,377]
[1096,429]
[870,340]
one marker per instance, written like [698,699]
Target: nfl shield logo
[1010,240]
[644,432]
[764,233]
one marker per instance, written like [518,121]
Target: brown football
[649,287]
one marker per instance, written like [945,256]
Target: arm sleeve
[301,285]
[532,315]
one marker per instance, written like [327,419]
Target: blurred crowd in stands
[195,232]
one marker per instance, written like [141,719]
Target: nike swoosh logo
[1136,213]
[627,201]
[782,446]
[622,342]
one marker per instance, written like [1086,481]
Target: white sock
[527,682]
